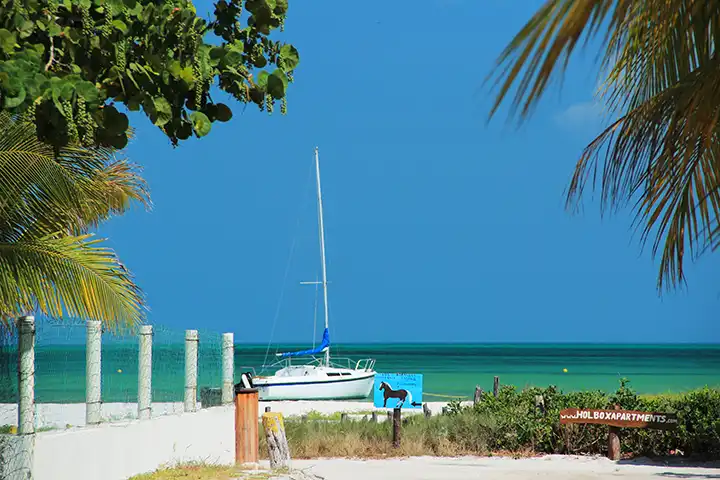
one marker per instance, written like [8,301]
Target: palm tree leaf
[68,275]
[549,39]
[661,155]
[664,155]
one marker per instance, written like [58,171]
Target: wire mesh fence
[64,364]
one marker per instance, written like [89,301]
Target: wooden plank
[620,418]
[496,386]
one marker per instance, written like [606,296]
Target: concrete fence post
[145,372]
[191,369]
[228,368]
[26,402]
[93,378]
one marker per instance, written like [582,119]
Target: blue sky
[440,227]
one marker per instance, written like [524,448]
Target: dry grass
[437,436]
[202,472]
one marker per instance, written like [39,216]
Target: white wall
[118,451]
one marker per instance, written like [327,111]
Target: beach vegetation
[50,199]
[514,423]
[203,471]
[70,65]
[658,93]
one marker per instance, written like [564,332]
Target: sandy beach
[60,415]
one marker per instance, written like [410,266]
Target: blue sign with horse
[398,390]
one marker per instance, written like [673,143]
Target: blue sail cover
[319,349]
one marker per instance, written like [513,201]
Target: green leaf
[277,83]
[26,29]
[232,58]
[163,112]
[74,35]
[185,74]
[260,61]
[116,123]
[184,131]
[290,57]
[88,91]
[7,40]
[262,79]
[201,123]
[54,29]
[119,141]
[12,102]
[222,112]
[120,25]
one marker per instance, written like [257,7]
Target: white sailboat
[318,377]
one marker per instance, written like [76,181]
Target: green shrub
[518,424]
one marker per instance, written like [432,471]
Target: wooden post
[228,368]
[246,425]
[343,417]
[614,441]
[191,370]
[26,375]
[390,416]
[267,409]
[496,386]
[478,395]
[278,450]
[93,350]
[25,455]
[397,427]
[426,410]
[373,417]
[145,373]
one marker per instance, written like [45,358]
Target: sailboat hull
[350,385]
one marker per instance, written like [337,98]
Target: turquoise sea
[448,369]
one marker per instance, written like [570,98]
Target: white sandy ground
[56,415]
[554,467]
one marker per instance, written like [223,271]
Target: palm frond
[62,275]
[48,202]
[73,190]
[664,84]
[549,39]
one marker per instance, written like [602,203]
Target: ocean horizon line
[296,344]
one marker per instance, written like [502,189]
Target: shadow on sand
[677,464]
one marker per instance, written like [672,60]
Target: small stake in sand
[478,394]
[496,386]
[278,449]
[397,427]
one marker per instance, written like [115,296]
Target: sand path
[549,467]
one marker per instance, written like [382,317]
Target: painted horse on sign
[398,391]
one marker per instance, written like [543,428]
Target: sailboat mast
[322,247]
